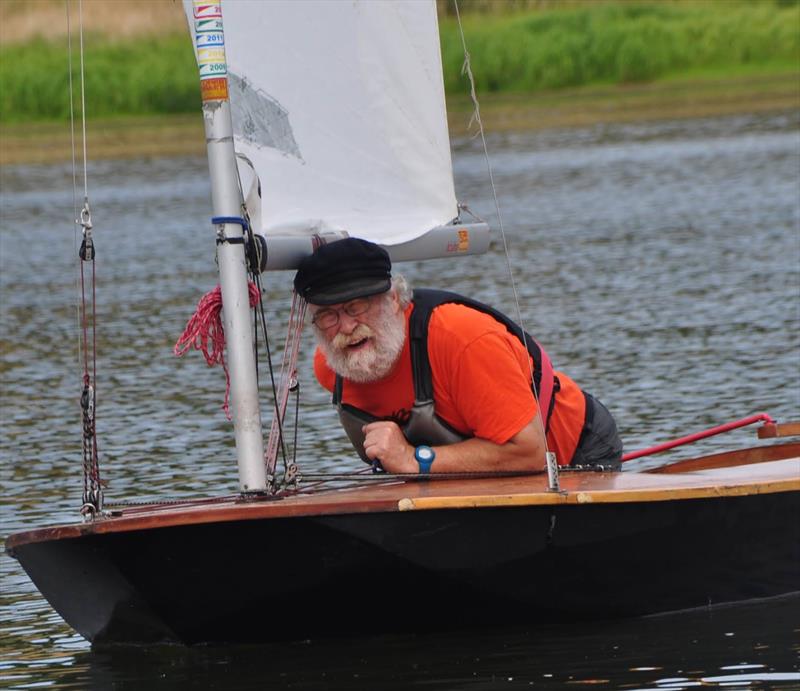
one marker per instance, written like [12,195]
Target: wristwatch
[425,456]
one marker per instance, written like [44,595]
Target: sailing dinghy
[363,151]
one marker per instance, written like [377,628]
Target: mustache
[341,341]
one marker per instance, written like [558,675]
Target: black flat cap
[344,270]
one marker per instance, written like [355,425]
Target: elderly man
[436,382]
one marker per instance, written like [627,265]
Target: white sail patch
[259,119]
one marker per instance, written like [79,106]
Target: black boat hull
[291,577]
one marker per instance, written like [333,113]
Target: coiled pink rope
[205,332]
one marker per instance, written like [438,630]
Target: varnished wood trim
[730,459]
[158,517]
[784,429]
[599,497]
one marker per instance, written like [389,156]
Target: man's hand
[524,451]
[384,441]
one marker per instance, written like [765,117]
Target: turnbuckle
[86,251]
[87,401]
[552,472]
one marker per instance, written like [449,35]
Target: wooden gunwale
[700,487]
[576,488]
[728,459]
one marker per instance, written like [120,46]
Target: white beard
[375,360]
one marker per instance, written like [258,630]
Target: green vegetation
[133,77]
[621,42]
[528,48]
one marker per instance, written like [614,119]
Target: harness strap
[548,386]
[420,362]
[337,390]
[545,383]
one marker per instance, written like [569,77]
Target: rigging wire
[260,317]
[92,486]
[288,383]
[83,106]
[288,380]
[277,417]
[476,117]
[74,174]
[343,481]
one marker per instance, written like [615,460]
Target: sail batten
[340,108]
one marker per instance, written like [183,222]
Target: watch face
[424,453]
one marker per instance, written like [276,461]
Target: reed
[529,46]
[620,42]
[143,76]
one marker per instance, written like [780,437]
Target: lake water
[659,264]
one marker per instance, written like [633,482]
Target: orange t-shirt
[481,382]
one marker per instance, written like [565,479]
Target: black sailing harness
[423,425]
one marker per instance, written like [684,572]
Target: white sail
[339,105]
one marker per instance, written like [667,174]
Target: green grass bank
[522,50]
[622,43]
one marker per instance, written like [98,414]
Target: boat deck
[767,476]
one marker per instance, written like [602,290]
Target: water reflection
[667,652]
[659,264]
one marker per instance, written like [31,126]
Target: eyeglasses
[328,317]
